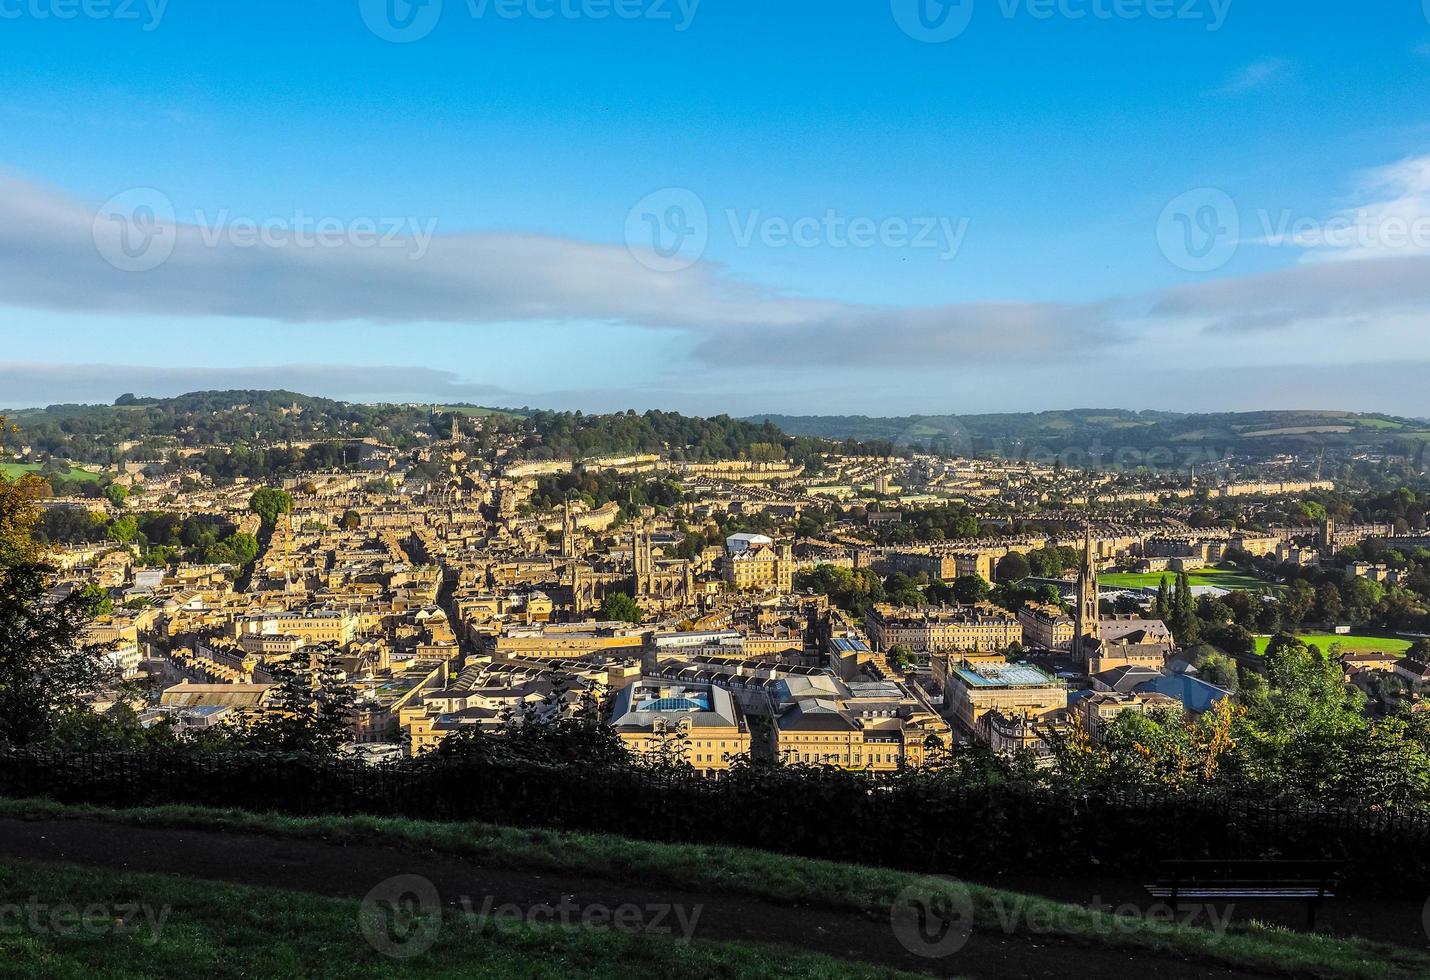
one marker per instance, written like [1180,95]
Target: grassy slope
[1222,578]
[477,412]
[777,878]
[215,930]
[11,470]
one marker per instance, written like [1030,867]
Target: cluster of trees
[597,489]
[1296,733]
[855,591]
[47,671]
[944,523]
[162,538]
[574,435]
[850,590]
[1330,595]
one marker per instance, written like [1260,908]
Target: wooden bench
[1311,882]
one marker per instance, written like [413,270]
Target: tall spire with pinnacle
[1088,629]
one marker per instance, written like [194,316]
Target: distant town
[861,607]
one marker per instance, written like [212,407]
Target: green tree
[311,710]
[900,657]
[969,589]
[618,607]
[1013,567]
[47,671]
[269,502]
[124,529]
[97,599]
[19,515]
[116,494]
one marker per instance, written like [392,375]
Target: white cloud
[1258,74]
[49,260]
[1392,218]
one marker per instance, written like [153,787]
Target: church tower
[643,555]
[568,532]
[1087,635]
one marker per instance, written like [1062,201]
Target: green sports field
[12,470]
[1349,644]
[1221,578]
[476,412]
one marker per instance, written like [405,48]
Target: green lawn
[13,470]
[185,928]
[474,412]
[1221,578]
[1349,644]
[770,877]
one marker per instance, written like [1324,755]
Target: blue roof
[1196,695]
[694,702]
[1003,675]
[846,644]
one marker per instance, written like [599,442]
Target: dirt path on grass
[354,870]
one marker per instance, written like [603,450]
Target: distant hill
[261,433]
[1106,430]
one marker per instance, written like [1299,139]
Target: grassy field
[474,412]
[1349,644]
[12,470]
[1221,578]
[186,928]
[772,877]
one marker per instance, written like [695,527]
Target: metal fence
[912,821]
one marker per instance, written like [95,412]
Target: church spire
[1088,629]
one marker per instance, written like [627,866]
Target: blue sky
[1013,183]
